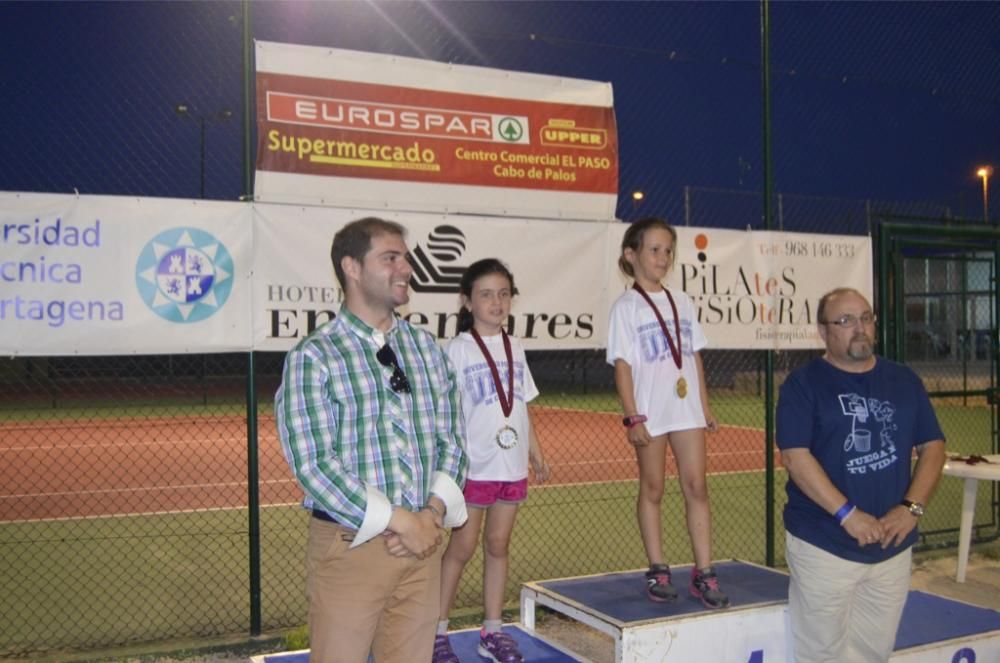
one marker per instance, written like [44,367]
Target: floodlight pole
[985,173]
[220,116]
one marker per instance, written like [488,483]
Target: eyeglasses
[398,381]
[851,320]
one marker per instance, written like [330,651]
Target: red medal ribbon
[506,402]
[675,352]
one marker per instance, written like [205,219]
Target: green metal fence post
[883,285]
[765,78]
[994,359]
[253,471]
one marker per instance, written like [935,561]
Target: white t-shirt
[635,335]
[488,461]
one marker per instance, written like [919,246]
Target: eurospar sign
[350,129]
[349,115]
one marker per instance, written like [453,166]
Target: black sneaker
[705,586]
[658,586]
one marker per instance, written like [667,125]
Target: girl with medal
[495,385]
[654,340]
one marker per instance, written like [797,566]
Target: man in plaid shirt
[369,419]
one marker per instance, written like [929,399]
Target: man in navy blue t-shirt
[847,425]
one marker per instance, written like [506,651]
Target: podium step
[933,628]
[753,629]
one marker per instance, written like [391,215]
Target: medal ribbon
[675,351]
[506,402]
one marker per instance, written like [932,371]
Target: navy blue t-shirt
[861,428]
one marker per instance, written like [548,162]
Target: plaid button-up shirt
[345,432]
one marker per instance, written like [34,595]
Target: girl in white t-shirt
[654,340]
[496,385]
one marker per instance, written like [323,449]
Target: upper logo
[184,275]
[445,244]
[565,133]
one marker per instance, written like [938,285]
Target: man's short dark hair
[355,240]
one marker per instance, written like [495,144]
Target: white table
[972,475]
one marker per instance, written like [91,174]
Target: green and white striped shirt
[358,448]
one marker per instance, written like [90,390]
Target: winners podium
[752,630]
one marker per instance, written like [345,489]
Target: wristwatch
[634,420]
[916,508]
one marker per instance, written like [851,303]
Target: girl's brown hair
[473,273]
[633,240]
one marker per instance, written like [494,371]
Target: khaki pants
[364,599]
[842,610]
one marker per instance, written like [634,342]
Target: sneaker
[705,586]
[658,586]
[499,647]
[443,653]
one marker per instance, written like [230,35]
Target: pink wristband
[632,422]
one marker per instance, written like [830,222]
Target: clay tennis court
[53,469]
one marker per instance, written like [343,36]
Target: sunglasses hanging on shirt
[398,381]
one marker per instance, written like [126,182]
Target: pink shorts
[484,494]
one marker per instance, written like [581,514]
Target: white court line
[123,444]
[274,482]
[619,414]
[545,486]
[174,442]
[631,459]
[175,512]
[114,491]
[549,484]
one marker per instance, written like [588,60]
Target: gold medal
[682,387]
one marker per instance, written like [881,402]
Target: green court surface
[179,572]
[97,579]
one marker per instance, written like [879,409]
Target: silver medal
[506,437]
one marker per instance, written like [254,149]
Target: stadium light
[637,197]
[185,110]
[985,173]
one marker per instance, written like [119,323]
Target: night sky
[893,102]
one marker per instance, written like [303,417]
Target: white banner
[560,270]
[94,275]
[759,289]
[107,275]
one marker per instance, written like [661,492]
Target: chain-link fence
[124,509]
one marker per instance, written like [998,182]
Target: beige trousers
[365,600]
[842,610]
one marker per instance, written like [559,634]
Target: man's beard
[860,348]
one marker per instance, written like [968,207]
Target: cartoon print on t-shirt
[480,388]
[859,440]
[883,412]
[854,406]
[653,344]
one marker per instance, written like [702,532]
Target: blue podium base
[535,648]
[752,630]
